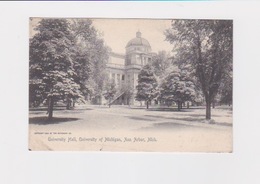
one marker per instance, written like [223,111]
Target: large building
[123,69]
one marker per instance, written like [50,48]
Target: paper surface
[128,125]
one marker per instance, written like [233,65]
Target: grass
[45,121]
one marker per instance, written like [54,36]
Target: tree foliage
[226,90]
[176,87]
[51,64]
[92,56]
[67,61]
[110,91]
[205,47]
[161,62]
[147,85]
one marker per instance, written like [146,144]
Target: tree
[147,84]
[206,47]
[35,93]
[161,62]
[110,91]
[226,90]
[51,65]
[91,56]
[176,87]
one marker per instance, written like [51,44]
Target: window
[123,77]
[113,77]
[118,78]
[128,78]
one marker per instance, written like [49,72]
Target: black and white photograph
[149,85]
[130,92]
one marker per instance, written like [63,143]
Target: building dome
[138,41]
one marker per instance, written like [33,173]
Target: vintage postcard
[130,85]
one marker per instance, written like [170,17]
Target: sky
[117,32]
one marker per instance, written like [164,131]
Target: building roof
[138,41]
[113,54]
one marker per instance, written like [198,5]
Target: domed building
[124,69]
[138,51]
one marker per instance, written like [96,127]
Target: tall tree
[206,47]
[147,85]
[51,64]
[92,56]
[161,62]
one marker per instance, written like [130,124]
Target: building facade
[123,69]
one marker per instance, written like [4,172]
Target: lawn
[132,129]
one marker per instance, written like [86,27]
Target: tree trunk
[147,104]
[50,108]
[68,104]
[179,106]
[188,105]
[208,110]
[213,104]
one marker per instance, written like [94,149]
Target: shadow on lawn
[189,119]
[137,108]
[139,118]
[165,126]
[179,116]
[54,120]
[169,109]
[172,125]
[184,109]
[224,124]
[192,118]
[58,109]
[71,111]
